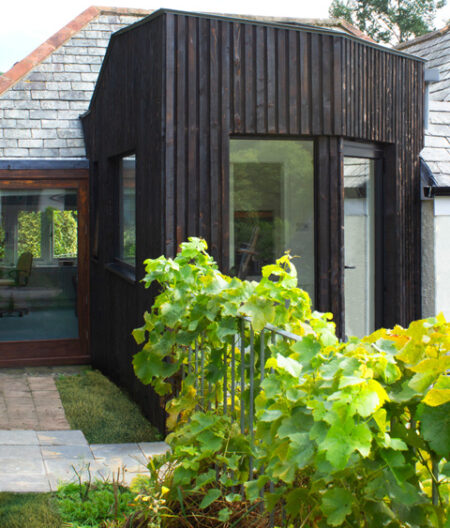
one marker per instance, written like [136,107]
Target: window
[38,263]
[127,210]
[42,222]
[272,206]
[359,235]
[364,202]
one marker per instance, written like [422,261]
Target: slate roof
[436,153]
[43,95]
[435,48]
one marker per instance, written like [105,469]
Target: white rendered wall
[428,260]
[442,254]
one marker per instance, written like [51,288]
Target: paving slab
[30,402]
[60,438]
[66,470]
[25,484]
[153,448]
[18,437]
[37,448]
[116,456]
[42,383]
[60,474]
[69,452]
[44,465]
[21,460]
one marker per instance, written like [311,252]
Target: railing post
[225,380]
[242,375]
[233,374]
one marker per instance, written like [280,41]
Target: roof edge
[23,67]
[275,22]
[319,22]
[108,10]
[423,38]
[432,191]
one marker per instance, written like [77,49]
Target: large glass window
[38,264]
[359,236]
[127,214]
[272,206]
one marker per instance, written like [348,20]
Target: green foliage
[390,21]
[84,505]
[353,434]
[65,231]
[29,233]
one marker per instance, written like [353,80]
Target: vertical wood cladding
[175,87]
[233,78]
[126,117]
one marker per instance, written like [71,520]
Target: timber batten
[176,87]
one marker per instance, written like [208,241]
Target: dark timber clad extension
[175,87]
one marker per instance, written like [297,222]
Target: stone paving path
[37,461]
[30,402]
[37,448]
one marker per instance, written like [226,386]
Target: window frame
[119,260]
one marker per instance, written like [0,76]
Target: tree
[389,21]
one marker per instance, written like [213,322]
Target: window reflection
[127,248]
[271,206]
[38,264]
[359,234]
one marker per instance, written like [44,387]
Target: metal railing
[243,371]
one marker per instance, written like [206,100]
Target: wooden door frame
[56,351]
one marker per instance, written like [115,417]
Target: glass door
[359,245]
[43,272]
[38,264]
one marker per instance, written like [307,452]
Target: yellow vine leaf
[380,419]
[432,365]
[437,397]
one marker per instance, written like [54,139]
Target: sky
[25,24]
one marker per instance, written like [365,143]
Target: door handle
[349,267]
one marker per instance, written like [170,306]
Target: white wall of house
[428,259]
[442,254]
[436,256]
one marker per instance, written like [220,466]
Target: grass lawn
[102,411]
[28,510]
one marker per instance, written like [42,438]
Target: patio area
[37,448]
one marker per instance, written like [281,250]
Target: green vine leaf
[336,505]
[210,497]
[435,428]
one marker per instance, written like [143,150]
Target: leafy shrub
[85,505]
[353,434]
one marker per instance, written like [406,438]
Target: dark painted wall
[126,119]
[177,87]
